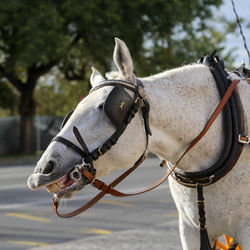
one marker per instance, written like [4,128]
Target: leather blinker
[117,105]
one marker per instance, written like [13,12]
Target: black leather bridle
[120,108]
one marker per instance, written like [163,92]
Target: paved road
[27,219]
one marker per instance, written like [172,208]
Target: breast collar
[233,127]
[114,108]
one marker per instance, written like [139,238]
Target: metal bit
[75,174]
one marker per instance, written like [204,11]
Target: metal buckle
[92,182]
[243,139]
[137,99]
[99,150]
[238,73]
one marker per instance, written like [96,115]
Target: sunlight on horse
[181,101]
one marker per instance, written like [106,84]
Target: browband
[125,84]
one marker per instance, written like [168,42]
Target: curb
[159,237]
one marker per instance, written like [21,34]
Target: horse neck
[182,101]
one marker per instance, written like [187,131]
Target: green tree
[7,97]
[58,98]
[72,35]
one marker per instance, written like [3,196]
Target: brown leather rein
[109,189]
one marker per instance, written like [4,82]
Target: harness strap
[70,145]
[114,82]
[98,196]
[91,177]
[204,240]
[80,140]
[110,188]
[233,126]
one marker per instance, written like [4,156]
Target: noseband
[120,108]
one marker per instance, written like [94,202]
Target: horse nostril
[37,171]
[49,167]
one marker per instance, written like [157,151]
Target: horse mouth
[61,184]
[65,187]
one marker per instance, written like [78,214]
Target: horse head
[54,169]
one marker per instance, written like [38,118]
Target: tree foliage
[58,98]
[73,35]
[8,99]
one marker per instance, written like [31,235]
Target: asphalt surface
[148,221]
[155,238]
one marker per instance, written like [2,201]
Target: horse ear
[95,77]
[123,60]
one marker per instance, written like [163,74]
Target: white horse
[181,101]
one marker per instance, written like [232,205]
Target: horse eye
[100,106]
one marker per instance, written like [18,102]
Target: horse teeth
[55,187]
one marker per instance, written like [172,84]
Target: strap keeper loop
[100,185]
[88,175]
[244,139]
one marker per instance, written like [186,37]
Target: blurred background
[47,49]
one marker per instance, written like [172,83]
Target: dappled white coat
[181,102]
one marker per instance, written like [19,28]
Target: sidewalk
[165,236]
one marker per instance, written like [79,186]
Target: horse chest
[227,203]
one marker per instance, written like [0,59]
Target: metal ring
[75,175]
[238,73]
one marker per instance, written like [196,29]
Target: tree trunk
[27,111]
[27,105]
